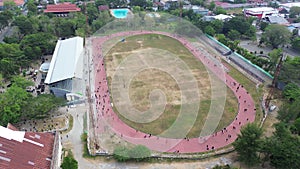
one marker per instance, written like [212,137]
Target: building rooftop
[67,61]
[103,7]
[222,17]
[62,7]
[25,150]
[260,9]
[278,20]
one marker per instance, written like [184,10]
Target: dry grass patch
[149,79]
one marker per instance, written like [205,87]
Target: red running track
[107,117]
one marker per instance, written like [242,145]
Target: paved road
[252,47]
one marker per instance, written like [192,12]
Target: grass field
[149,79]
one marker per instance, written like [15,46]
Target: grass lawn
[149,79]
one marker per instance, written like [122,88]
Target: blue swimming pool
[120,13]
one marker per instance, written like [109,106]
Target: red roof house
[28,150]
[62,8]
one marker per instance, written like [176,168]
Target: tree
[248,144]
[251,33]
[11,58]
[5,17]
[220,10]
[139,152]
[222,38]
[38,44]
[224,167]
[238,23]
[32,8]
[289,111]
[118,3]
[101,2]
[291,92]
[64,27]
[103,19]
[9,5]
[41,106]
[121,154]
[290,71]
[274,56]
[296,126]
[276,35]
[140,3]
[26,25]
[209,30]
[283,148]
[233,35]
[294,11]
[69,162]
[45,24]
[263,25]
[296,43]
[12,103]
[217,25]
[21,82]
[92,12]
[212,6]
[197,2]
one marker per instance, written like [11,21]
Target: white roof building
[223,17]
[67,61]
[260,12]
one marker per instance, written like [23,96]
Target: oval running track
[105,113]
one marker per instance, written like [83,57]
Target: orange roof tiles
[35,151]
[63,7]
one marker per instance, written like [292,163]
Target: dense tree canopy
[69,162]
[294,11]
[234,35]
[15,100]
[296,43]
[276,35]
[291,92]
[248,144]
[141,3]
[237,23]
[26,25]
[290,71]
[38,44]
[283,148]
[12,103]
[11,58]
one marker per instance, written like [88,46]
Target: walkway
[106,116]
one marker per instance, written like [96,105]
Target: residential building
[260,12]
[62,9]
[29,150]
